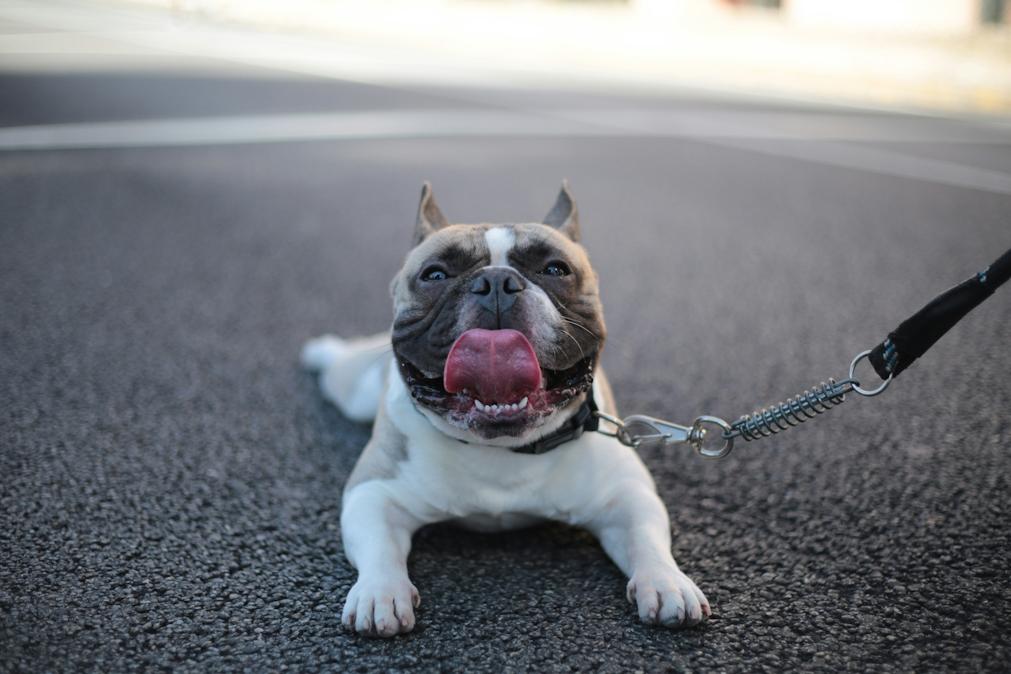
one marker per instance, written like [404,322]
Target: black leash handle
[920,331]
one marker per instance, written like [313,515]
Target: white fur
[351,372]
[544,331]
[361,404]
[319,353]
[593,482]
[500,241]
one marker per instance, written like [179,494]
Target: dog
[483,396]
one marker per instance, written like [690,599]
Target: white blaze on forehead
[547,321]
[500,241]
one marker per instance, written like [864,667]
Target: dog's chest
[444,478]
[464,480]
[495,489]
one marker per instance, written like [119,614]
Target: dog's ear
[430,218]
[564,216]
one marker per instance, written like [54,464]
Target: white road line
[281,128]
[744,125]
[748,131]
[713,122]
[885,162]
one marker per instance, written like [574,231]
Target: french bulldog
[480,394]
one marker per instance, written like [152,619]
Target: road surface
[172,230]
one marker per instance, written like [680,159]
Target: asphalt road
[170,481]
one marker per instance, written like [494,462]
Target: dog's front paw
[381,607]
[667,597]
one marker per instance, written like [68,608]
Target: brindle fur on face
[560,315]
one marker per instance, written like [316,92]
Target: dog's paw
[667,597]
[319,353]
[381,607]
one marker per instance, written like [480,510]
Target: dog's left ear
[430,218]
[564,215]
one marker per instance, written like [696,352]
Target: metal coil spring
[794,411]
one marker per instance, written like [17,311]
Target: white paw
[665,596]
[317,354]
[381,607]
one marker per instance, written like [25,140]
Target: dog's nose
[497,289]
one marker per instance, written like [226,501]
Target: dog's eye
[556,269]
[434,273]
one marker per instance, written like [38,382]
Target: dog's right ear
[430,218]
[564,215]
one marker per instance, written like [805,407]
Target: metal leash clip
[640,430]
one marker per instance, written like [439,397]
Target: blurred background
[938,54]
[189,190]
[948,54]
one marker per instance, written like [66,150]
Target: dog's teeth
[499,408]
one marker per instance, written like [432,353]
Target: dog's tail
[352,371]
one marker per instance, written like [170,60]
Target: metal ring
[619,426]
[618,423]
[698,437]
[856,384]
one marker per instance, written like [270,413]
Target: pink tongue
[498,365]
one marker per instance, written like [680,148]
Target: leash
[890,358]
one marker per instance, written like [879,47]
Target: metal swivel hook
[667,433]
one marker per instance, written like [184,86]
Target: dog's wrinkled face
[497,328]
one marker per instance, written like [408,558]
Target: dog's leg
[377,532]
[634,530]
[351,371]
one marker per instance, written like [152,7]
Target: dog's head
[497,327]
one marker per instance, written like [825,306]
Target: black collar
[585,419]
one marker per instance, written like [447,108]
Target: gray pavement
[170,482]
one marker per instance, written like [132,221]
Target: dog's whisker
[574,341]
[563,310]
[580,326]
